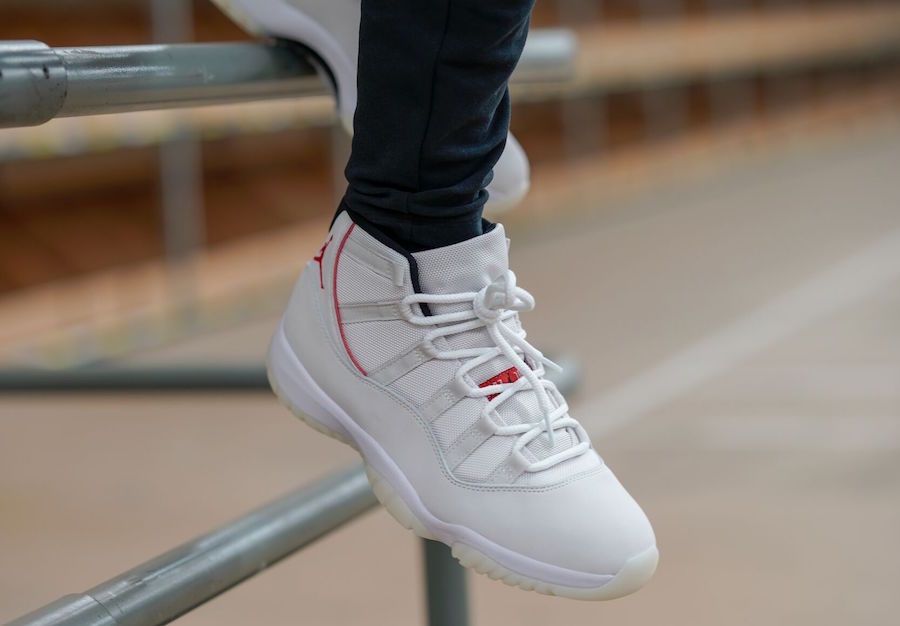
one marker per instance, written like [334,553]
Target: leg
[432,114]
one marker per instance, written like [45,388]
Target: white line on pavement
[843,284]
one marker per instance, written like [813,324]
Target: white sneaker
[330,28]
[420,363]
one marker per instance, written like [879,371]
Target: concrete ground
[740,340]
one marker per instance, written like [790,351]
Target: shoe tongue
[465,266]
[469,266]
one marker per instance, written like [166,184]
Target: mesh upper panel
[485,459]
[359,284]
[456,420]
[423,382]
[562,440]
[469,266]
[561,471]
[465,267]
[522,408]
[376,343]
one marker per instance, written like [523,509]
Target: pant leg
[433,113]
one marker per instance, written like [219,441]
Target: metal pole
[116,79]
[549,56]
[731,97]
[169,378]
[180,171]
[664,107]
[33,83]
[584,119]
[445,587]
[170,585]
[38,83]
[178,378]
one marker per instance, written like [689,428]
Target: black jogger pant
[432,114]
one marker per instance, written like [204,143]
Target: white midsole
[281,19]
[303,394]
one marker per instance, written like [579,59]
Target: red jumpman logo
[505,377]
[318,259]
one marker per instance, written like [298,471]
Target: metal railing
[37,84]
[237,378]
[182,579]
[186,577]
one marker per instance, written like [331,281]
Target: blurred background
[713,234]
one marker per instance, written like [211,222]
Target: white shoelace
[490,307]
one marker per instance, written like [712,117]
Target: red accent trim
[337,308]
[318,259]
[506,376]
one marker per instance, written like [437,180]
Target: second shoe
[330,28]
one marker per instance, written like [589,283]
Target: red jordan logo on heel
[318,259]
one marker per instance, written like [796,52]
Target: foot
[330,28]
[420,363]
